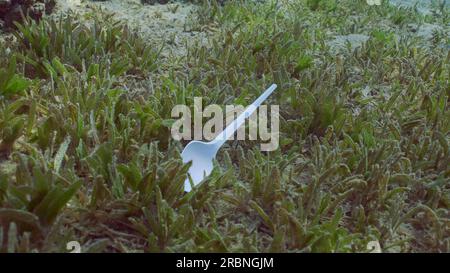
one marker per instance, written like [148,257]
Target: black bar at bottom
[221,262]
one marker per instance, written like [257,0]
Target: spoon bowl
[201,154]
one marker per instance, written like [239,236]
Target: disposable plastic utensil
[202,153]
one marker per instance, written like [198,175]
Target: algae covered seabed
[86,153]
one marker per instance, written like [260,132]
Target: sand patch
[423,6]
[353,40]
[160,23]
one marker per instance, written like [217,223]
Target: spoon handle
[233,126]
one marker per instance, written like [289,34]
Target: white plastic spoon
[202,154]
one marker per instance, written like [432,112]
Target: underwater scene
[227,126]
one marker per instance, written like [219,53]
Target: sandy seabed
[166,23]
